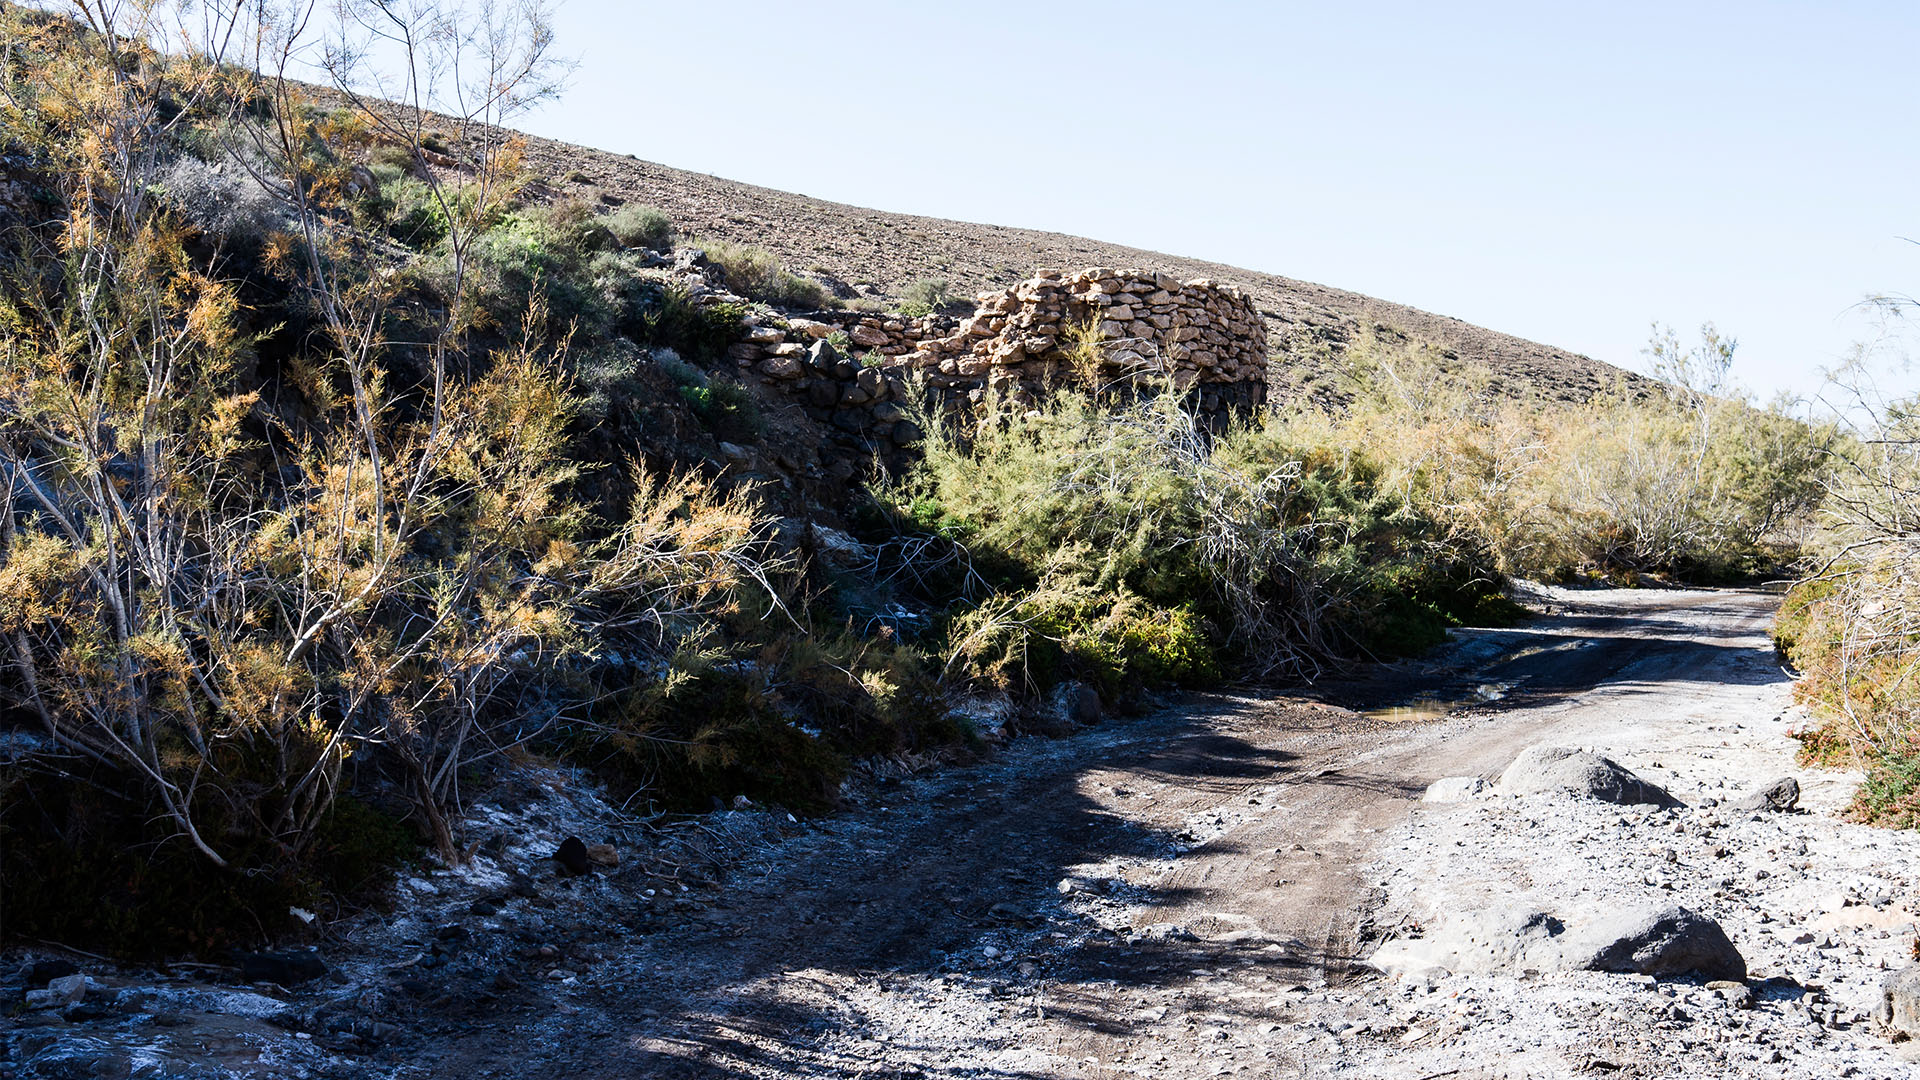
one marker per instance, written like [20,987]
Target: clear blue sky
[1568,173]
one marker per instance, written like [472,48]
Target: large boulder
[1662,942]
[1898,1011]
[1560,768]
[1658,941]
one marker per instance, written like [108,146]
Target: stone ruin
[1141,328]
[1140,322]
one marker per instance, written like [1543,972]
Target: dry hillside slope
[1307,323]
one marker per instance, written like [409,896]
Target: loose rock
[289,968]
[1782,794]
[1559,768]
[572,856]
[1455,789]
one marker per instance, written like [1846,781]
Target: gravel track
[1190,894]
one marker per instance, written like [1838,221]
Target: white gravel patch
[1821,909]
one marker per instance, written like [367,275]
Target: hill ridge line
[1310,324]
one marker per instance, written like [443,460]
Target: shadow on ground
[904,894]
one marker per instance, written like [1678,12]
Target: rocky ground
[1193,893]
[880,253]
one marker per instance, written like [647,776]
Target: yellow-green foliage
[1672,481]
[1304,536]
[219,599]
[1062,628]
[778,722]
[1852,627]
[756,273]
[1101,515]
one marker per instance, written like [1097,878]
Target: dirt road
[1189,894]
[1168,896]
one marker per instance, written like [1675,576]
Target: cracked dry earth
[1191,894]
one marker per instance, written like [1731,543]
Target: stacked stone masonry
[1144,324]
[1146,329]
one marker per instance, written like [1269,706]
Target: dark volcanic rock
[1664,941]
[288,968]
[1782,794]
[42,972]
[572,856]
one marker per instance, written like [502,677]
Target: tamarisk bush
[1851,624]
[1683,478]
[220,584]
[1116,520]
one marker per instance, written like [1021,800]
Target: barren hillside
[848,245]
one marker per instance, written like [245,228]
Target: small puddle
[1530,651]
[1434,706]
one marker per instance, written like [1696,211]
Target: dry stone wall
[852,370]
[1132,322]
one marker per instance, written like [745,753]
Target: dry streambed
[1819,910]
[1197,893]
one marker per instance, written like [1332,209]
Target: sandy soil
[1194,893]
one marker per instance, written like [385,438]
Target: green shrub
[605,373]
[1890,795]
[1064,629]
[640,226]
[711,734]
[390,156]
[562,255]
[524,258]
[570,260]
[1296,554]
[756,274]
[727,408]
[700,331]
[926,296]
[778,724]
[411,212]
